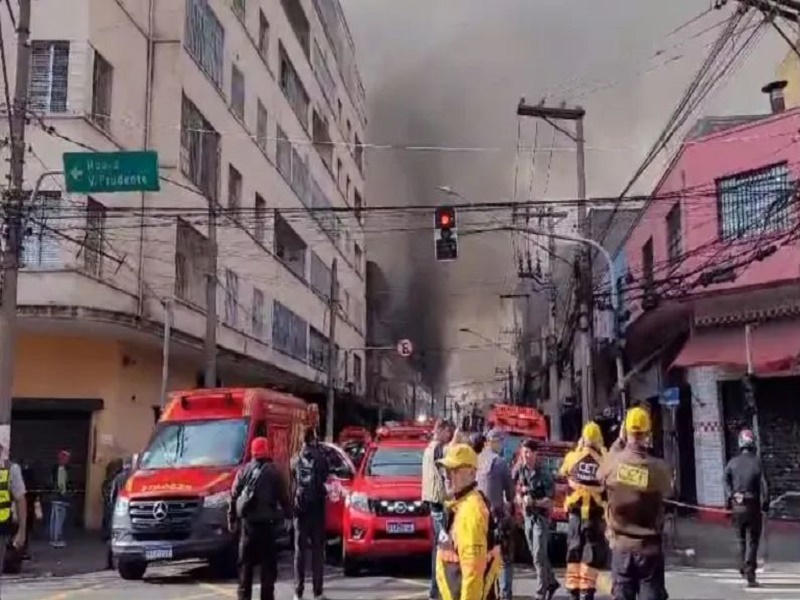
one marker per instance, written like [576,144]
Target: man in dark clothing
[259,504]
[310,472]
[114,487]
[747,496]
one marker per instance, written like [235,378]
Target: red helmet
[259,447]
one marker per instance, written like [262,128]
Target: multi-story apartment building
[256,109]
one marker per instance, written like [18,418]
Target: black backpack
[246,498]
[309,480]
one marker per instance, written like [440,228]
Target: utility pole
[414,399]
[552,335]
[210,377]
[333,362]
[553,115]
[14,205]
[511,397]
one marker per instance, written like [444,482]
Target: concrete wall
[709,442]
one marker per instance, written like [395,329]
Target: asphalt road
[191,582]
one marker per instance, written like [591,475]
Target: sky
[450,73]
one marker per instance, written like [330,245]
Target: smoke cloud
[450,73]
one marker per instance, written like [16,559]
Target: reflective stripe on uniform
[586,490]
[573,578]
[5,496]
[587,577]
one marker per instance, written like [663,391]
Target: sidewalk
[85,554]
[714,544]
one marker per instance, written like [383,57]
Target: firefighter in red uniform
[586,507]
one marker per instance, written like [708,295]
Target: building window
[339,173]
[234,191]
[40,247]
[320,276]
[261,126]
[358,205]
[237,92]
[199,158]
[191,264]
[257,313]
[260,226]
[102,87]
[49,77]
[317,350]
[263,36]
[340,110]
[322,139]
[95,237]
[323,73]
[205,39]
[231,298]
[359,258]
[347,189]
[289,332]
[289,247]
[359,154]
[293,88]
[674,234]
[754,203]
[240,9]
[299,22]
[647,265]
[357,370]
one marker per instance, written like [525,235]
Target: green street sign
[109,172]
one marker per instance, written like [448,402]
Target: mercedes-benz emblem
[160,511]
[400,507]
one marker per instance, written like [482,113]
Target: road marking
[218,589]
[409,596]
[414,582]
[68,593]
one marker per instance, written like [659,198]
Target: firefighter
[585,506]
[468,557]
[636,484]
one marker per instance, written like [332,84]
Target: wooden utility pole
[333,362]
[14,205]
[553,116]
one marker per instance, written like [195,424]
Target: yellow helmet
[592,434]
[638,421]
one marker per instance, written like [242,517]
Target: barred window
[674,234]
[289,332]
[755,203]
[205,39]
[49,76]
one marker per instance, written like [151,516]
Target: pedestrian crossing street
[773,582]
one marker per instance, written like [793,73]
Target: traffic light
[445,235]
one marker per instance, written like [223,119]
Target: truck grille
[163,518]
[400,508]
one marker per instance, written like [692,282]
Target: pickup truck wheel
[131,570]
[350,566]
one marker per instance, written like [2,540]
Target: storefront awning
[774,346]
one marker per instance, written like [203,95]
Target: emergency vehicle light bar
[403,433]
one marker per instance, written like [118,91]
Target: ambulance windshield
[218,443]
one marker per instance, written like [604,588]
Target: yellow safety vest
[5,499]
[580,468]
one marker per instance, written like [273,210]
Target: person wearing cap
[258,507]
[535,490]
[59,504]
[747,496]
[636,484]
[585,506]
[468,556]
[434,493]
[496,484]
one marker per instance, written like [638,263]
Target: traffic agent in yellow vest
[585,506]
[468,557]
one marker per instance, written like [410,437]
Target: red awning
[774,346]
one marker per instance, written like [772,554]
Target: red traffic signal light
[445,217]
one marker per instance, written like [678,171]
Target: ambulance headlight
[358,501]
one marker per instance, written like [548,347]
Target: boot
[574,594]
[588,595]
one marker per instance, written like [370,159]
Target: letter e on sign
[405,348]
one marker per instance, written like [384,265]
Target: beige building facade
[256,109]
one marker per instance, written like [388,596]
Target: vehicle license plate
[400,527]
[561,527]
[153,554]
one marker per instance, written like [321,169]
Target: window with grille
[320,276]
[299,22]
[358,205]
[357,369]
[261,126]
[199,156]
[240,9]
[317,350]
[41,248]
[93,247]
[293,89]
[755,203]
[359,257]
[237,92]
[359,154]
[674,234]
[205,39]
[49,81]
[257,313]
[322,139]
[191,264]
[263,36]
[289,332]
[231,298]
[260,224]
[284,154]
[234,191]
[102,88]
